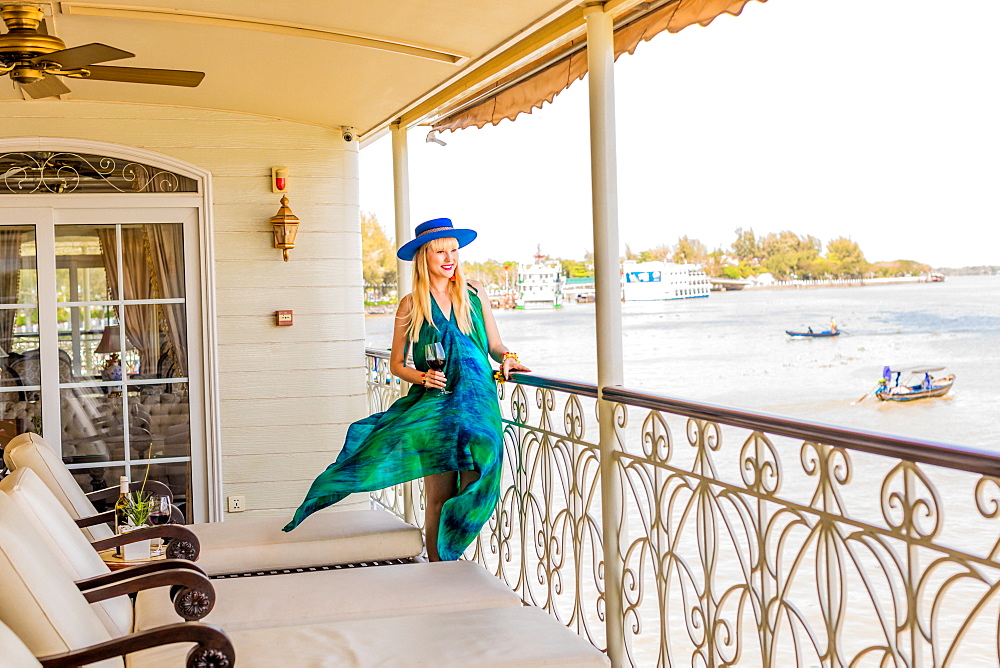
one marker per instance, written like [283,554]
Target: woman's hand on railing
[511,364]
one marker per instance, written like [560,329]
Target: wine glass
[159,515]
[436,357]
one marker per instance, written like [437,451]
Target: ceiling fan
[34,59]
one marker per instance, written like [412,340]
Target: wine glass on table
[435,356]
[159,515]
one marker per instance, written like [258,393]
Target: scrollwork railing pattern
[383,389]
[748,540]
[33,172]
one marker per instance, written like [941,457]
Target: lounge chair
[247,545]
[448,614]
[206,638]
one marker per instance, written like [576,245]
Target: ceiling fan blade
[146,76]
[81,56]
[49,86]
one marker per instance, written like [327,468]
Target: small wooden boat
[910,384]
[815,335]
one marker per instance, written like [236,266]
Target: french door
[100,347]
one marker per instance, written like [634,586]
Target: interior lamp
[286,226]
[110,345]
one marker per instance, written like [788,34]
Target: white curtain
[136,283]
[10,279]
[166,245]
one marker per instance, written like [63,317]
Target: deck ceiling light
[286,226]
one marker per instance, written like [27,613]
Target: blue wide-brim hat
[434,229]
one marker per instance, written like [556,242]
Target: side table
[117,563]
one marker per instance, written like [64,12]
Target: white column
[401,196]
[401,193]
[607,286]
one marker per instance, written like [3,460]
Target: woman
[453,439]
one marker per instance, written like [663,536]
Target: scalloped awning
[544,78]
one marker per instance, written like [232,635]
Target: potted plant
[134,510]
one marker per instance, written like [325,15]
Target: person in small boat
[453,439]
[927,381]
[810,330]
[833,325]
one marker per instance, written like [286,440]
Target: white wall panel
[275,438]
[255,328]
[309,245]
[324,299]
[287,392]
[292,412]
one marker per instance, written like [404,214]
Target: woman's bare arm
[397,357]
[496,345]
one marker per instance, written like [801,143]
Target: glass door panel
[20,384]
[122,333]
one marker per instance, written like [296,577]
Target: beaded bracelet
[509,354]
[498,376]
[423,378]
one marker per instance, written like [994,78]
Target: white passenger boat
[540,283]
[650,281]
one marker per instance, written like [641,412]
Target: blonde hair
[421,310]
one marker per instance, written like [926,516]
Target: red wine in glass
[159,514]
[435,356]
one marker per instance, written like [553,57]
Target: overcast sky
[878,120]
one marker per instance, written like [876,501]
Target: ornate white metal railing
[745,539]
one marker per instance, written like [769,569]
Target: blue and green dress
[424,433]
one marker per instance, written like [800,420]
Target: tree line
[784,255]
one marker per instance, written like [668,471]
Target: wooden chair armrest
[184,544]
[137,570]
[192,592]
[213,648]
[99,518]
[151,486]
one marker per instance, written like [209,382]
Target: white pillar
[401,193]
[401,196]
[607,287]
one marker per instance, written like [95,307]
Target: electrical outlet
[237,504]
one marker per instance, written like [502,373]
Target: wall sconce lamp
[286,226]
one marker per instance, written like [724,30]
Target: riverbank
[839,282]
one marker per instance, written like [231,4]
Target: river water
[731,349]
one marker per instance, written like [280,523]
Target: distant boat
[539,283]
[655,281]
[910,384]
[822,334]
[815,335]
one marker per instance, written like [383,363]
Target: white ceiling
[302,76]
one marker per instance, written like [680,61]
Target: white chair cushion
[65,540]
[333,537]
[487,638]
[31,451]
[38,600]
[244,545]
[13,652]
[337,595]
